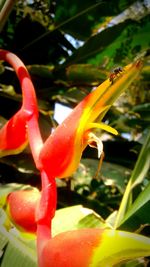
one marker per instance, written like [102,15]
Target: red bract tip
[22,207]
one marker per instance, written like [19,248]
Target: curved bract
[93,248]
[71,249]
[59,150]
[21,208]
[15,134]
[62,151]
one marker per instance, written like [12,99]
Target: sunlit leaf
[16,252]
[137,176]
[80,217]
[96,43]
[138,214]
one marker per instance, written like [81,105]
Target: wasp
[114,73]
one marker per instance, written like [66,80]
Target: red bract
[93,248]
[15,134]
[62,151]
[22,206]
[71,249]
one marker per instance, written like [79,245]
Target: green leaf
[138,174]
[143,110]
[71,15]
[138,214]
[3,242]
[75,217]
[92,221]
[96,43]
[132,40]
[8,90]
[80,18]
[133,263]
[16,252]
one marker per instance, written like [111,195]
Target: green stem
[5,11]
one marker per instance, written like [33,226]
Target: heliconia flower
[21,209]
[59,157]
[93,248]
[62,151]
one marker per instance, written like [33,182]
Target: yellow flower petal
[102,126]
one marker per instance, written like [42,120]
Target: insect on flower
[114,73]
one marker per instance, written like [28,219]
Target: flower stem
[46,212]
